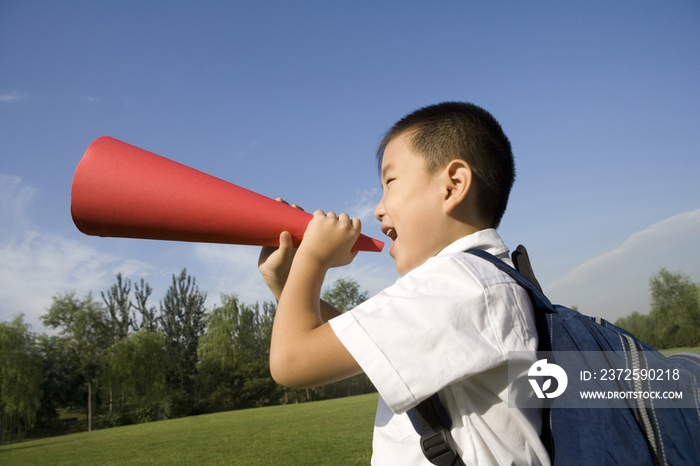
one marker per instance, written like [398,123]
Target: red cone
[122,191]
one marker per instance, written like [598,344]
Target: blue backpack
[638,434]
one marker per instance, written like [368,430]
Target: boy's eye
[390,180]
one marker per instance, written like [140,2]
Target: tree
[218,353]
[675,308]
[181,319]
[141,362]
[118,305]
[234,353]
[344,295]
[674,318]
[20,375]
[149,321]
[85,331]
[641,326]
[62,384]
[259,389]
[218,347]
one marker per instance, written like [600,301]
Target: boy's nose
[379,211]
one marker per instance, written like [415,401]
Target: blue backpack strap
[433,424]
[539,300]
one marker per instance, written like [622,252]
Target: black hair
[457,130]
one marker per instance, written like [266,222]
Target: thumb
[286,243]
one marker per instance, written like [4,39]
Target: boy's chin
[402,267]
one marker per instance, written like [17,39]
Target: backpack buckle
[437,448]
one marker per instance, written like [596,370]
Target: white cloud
[364,203]
[36,266]
[90,99]
[11,97]
[15,196]
[615,284]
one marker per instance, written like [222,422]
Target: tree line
[122,360]
[674,317]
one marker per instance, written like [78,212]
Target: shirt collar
[486,240]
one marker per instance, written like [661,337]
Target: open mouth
[391,233]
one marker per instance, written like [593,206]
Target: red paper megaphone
[122,191]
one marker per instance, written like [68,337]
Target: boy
[448,324]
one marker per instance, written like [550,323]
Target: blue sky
[600,100]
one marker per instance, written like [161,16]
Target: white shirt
[448,326]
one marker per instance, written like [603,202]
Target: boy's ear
[458,179]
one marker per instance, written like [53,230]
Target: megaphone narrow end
[365,243]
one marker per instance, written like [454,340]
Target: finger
[286,243]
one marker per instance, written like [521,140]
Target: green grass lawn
[334,432]
[670,351]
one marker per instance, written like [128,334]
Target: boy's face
[411,209]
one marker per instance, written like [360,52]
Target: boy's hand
[328,239]
[304,350]
[274,263]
